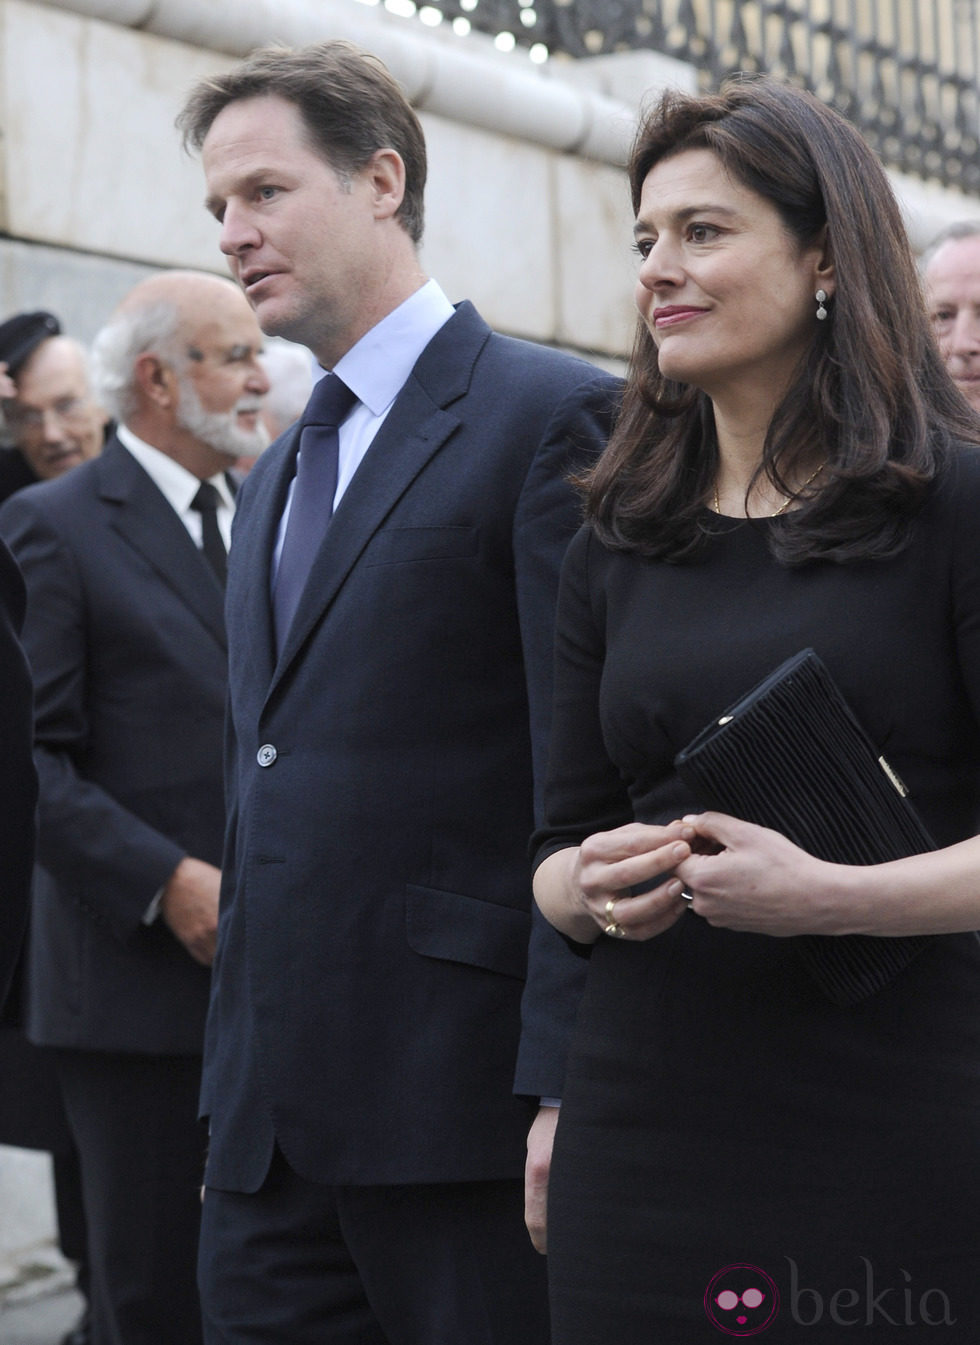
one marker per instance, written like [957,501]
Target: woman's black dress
[725,1127]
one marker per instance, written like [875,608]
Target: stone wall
[527,208]
[95,188]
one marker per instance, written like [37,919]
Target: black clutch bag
[790,755]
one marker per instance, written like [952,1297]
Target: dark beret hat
[21,335]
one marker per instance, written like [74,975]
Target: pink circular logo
[741,1300]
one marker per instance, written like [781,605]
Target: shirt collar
[377,367]
[175,483]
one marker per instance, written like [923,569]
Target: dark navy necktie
[313,492]
[206,503]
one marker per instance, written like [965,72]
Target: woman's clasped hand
[610,865]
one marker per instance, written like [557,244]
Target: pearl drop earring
[821,297]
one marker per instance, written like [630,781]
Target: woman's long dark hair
[872,396]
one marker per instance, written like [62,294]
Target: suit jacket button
[266,754]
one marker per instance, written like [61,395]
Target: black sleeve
[18,781]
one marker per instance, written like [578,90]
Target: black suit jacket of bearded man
[125,637]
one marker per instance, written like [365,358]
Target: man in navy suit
[122,559]
[387,711]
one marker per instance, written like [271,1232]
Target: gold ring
[615,930]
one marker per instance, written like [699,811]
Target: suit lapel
[250,562]
[415,429]
[390,466]
[148,524]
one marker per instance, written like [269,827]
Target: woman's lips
[675,313]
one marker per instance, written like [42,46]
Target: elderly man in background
[951,272]
[124,565]
[290,368]
[51,419]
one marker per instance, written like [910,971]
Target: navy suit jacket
[376,900]
[125,637]
[18,781]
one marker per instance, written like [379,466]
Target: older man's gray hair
[964,228]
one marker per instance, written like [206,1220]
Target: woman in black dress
[737,1154]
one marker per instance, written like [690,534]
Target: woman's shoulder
[588,554]
[949,516]
[964,455]
[586,550]
[593,571]
[958,479]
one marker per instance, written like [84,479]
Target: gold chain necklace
[789,498]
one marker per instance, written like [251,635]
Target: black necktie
[206,503]
[313,492]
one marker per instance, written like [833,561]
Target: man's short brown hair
[350,105]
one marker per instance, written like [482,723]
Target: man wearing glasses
[50,417]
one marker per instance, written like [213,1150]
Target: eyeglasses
[28,421]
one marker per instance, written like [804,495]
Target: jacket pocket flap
[395,546]
[456,928]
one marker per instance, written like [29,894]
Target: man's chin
[288,321]
[231,455]
[271,316]
[58,464]
[243,446]
[253,444]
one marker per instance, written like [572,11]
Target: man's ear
[385,172]
[156,380]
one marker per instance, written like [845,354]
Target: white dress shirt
[178,486]
[376,369]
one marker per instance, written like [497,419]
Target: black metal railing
[904,71]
